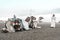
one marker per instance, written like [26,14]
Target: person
[53,20]
[16,25]
[35,23]
[25,25]
[8,27]
[31,22]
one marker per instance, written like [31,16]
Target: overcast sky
[23,7]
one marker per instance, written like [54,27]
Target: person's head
[27,19]
[53,15]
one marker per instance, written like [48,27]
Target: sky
[34,4]
[25,7]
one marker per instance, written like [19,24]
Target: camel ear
[27,19]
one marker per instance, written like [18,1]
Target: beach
[44,33]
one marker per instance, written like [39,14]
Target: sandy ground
[45,33]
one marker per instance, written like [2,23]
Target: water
[47,17]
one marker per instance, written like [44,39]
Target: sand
[45,33]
